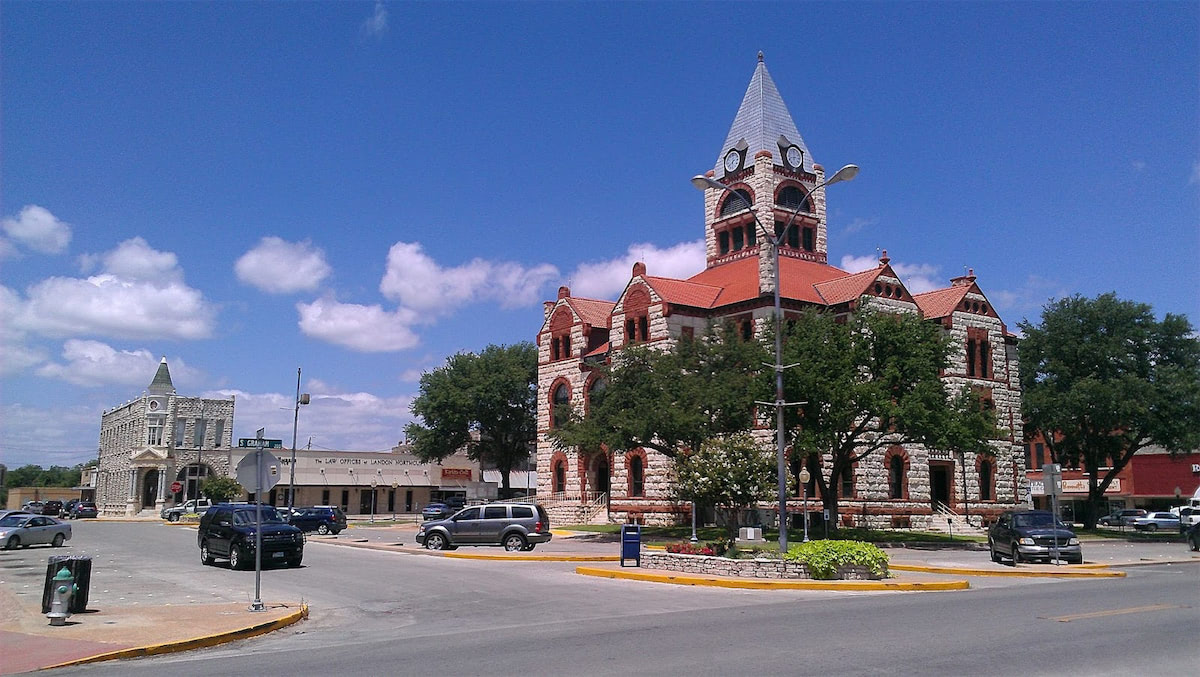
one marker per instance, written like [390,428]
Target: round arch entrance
[191,477]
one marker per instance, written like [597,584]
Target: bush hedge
[824,557]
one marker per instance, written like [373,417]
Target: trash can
[631,543]
[80,567]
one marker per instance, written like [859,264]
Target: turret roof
[162,385]
[761,120]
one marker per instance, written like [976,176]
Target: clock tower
[765,160]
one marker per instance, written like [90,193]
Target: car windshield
[246,517]
[1034,519]
[13,520]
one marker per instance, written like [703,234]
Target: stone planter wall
[742,568]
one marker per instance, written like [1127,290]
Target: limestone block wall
[121,430]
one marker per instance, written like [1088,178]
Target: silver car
[18,530]
[516,526]
[1155,521]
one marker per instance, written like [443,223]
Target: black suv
[323,519]
[1026,535]
[227,530]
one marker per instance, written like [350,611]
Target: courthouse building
[766,161]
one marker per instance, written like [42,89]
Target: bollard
[60,599]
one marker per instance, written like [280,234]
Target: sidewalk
[30,643]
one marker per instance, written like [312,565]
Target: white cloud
[376,24]
[417,282]
[1029,297]
[917,277]
[859,224]
[45,437]
[139,294]
[15,355]
[280,267]
[92,363]
[346,421]
[367,329]
[1138,165]
[606,279]
[38,229]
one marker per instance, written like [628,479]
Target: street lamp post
[702,182]
[394,485]
[374,484]
[804,478]
[300,399]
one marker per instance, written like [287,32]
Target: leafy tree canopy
[671,398]
[1103,379]
[37,476]
[868,381]
[485,402]
[730,472]
[220,489]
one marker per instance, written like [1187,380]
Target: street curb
[1028,573]
[193,643]
[414,550]
[774,584]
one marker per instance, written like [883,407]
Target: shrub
[715,548]
[824,557]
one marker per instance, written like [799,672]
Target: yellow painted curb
[535,558]
[1028,573]
[193,643]
[772,584]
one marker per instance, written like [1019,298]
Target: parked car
[436,511]
[52,508]
[83,509]
[515,526]
[21,530]
[1026,535]
[227,530]
[188,507]
[1155,521]
[323,519]
[1122,518]
[1193,537]
[455,502]
[1188,517]
[33,507]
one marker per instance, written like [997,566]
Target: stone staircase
[567,508]
[946,521]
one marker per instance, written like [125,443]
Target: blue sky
[361,189]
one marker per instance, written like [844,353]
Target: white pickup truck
[173,513]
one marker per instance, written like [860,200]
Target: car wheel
[1196,544]
[205,556]
[1016,555]
[295,561]
[1152,528]
[992,549]
[528,548]
[58,540]
[13,543]
[235,557]
[322,529]
[435,541]
[173,517]
[514,543]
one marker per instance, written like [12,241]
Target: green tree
[729,472]
[220,489]
[674,398]
[867,382]
[1103,380]
[485,403]
[37,476]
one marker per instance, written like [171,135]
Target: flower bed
[747,568]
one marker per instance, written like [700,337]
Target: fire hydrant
[60,597]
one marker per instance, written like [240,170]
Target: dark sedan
[83,509]
[436,511]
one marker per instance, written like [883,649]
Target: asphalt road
[386,613]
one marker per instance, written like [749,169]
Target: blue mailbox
[631,543]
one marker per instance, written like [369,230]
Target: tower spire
[161,384]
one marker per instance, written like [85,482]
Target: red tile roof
[592,311]
[683,292]
[940,302]
[739,280]
[848,288]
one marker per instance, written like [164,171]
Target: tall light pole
[300,399]
[702,182]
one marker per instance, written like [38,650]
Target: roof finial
[883,260]
[760,56]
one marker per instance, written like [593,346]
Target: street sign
[252,443]
[176,487]
[260,478]
[1052,472]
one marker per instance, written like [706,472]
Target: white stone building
[149,443]
[766,161]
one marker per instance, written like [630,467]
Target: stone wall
[708,565]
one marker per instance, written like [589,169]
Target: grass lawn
[664,535]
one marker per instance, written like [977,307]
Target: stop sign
[176,487]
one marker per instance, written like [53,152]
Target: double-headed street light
[775,239]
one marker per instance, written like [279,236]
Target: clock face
[733,160]
[795,157]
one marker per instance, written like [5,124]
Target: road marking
[1115,612]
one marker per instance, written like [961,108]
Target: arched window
[559,480]
[985,480]
[896,476]
[733,204]
[560,405]
[793,199]
[637,479]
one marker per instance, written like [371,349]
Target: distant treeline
[54,476]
